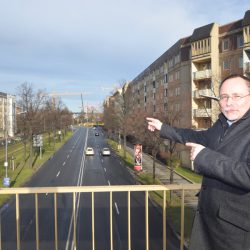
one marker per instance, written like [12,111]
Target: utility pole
[82,110]
[6,180]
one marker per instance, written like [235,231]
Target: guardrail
[99,189]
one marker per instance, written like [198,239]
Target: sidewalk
[163,174]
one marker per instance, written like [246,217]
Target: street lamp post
[6,153]
[6,180]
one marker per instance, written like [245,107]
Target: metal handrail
[98,189]
[87,189]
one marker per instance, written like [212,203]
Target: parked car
[89,151]
[105,151]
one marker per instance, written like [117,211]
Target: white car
[105,151]
[89,151]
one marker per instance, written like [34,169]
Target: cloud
[86,44]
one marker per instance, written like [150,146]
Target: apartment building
[7,115]
[178,86]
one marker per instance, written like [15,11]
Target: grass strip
[22,171]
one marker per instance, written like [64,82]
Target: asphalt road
[70,167]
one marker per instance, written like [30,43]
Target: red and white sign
[138,157]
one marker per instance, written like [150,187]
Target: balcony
[203,74]
[200,113]
[202,92]
[73,198]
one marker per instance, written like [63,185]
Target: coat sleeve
[223,168]
[181,135]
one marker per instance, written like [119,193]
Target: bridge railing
[75,190]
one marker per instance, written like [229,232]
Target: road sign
[6,181]
[37,140]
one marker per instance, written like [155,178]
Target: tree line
[39,114]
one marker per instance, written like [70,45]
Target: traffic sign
[6,181]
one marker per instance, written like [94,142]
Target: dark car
[96,134]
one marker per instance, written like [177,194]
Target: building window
[239,41]
[241,62]
[145,88]
[225,64]
[171,77]
[165,78]
[207,104]
[165,92]
[154,108]
[177,107]
[177,91]
[153,83]
[165,106]
[170,62]
[177,59]
[177,75]
[145,99]
[225,44]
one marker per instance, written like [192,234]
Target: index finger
[150,119]
[190,144]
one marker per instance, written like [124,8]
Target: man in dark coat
[222,155]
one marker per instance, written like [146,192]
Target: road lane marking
[105,169]
[108,182]
[117,210]
[78,196]
[58,174]
[67,156]
[64,163]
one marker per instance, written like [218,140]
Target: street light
[6,180]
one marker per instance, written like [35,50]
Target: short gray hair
[247,80]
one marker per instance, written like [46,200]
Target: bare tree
[151,141]
[171,118]
[31,103]
[115,113]
[121,113]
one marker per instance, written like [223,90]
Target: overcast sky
[90,46]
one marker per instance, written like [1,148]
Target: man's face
[234,98]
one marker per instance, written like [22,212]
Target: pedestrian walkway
[162,173]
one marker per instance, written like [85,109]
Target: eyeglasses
[235,98]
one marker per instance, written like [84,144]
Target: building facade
[178,86]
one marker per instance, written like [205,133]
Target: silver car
[105,151]
[89,151]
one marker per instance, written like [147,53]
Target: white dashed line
[108,182]
[67,156]
[117,210]
[64,163]
[58,174]
[105,169]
